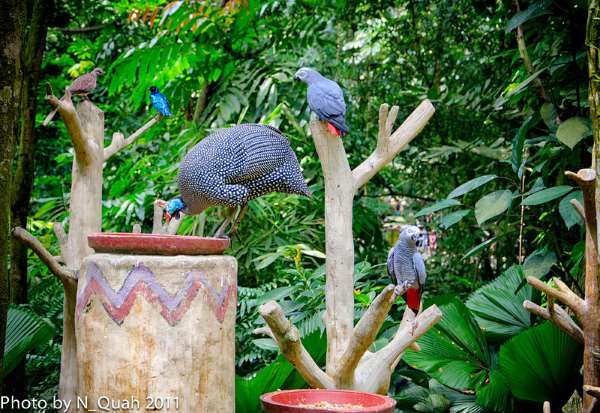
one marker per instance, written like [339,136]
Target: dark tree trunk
[33,35]
[31,57]
[12,19]
[591,364]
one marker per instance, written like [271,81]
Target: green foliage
[491,348]
[492,205]
[573,130]
[279,374]
[498,309]
[471,185]
[24,331]
[541,364]
[489,167]
[454,351]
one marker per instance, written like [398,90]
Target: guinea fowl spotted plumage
[81,86]
[232,166]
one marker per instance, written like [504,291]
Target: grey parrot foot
[398,291]
[414,326]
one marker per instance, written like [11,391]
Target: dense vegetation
[486,175]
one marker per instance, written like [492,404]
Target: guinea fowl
[232,166]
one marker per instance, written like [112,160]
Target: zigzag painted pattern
[141,280]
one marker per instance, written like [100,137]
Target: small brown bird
[81,86]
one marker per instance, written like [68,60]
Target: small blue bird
[159,101]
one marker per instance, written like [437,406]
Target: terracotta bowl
[156,244]
[326,401]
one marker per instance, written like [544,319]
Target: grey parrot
[406,267]
[326,99]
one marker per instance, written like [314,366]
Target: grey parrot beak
[296,77]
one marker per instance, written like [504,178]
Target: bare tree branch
[365,332]
[389,144]
[592,390]
[569,298]
[264,331]
[559,317]
[61,236]
[65,107]
[373,372]
[119,141]
[288,339]
[63,273]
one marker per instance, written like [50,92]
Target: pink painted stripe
[141,280]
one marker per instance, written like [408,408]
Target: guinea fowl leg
[221,231]
[234,228]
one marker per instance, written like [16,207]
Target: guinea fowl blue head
[173,208]
[153,90]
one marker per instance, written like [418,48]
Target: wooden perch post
[85,126]
[587,309]
[349,365]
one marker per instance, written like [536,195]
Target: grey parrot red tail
[412,296]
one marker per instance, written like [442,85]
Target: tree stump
[156,333]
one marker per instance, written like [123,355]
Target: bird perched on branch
[81,86]
[159,101]
[406,267]
[232,166]
[325,98]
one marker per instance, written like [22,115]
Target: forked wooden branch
[559,317]
[563,294]
[63,273]
[408,333]
[263,331]
[81,144]
[587,309]
[365,332]
[374,370]
[592,390]
[119,141]
[347,345]
[287,337]
[61,236]
[388,143]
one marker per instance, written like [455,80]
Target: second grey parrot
[326,99]
[406,267]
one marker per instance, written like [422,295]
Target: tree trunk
[349,363]
[12,20]
[34,37]
[31,57]
[85,126]
[591,368]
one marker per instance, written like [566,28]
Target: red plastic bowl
[300,401]
[156,244]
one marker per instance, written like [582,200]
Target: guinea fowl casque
[232,166]
[406,267]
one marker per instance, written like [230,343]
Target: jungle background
[509,82]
